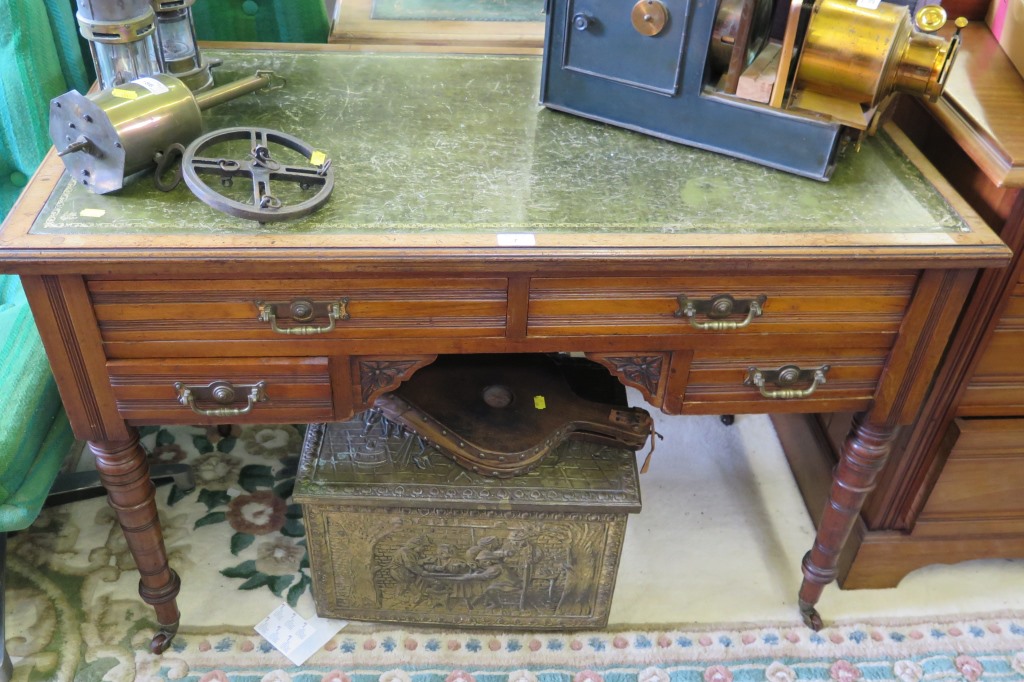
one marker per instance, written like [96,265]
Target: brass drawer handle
[304,311]
[223,392]
[785,376]
[718,307]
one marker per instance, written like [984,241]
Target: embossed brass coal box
[397,532]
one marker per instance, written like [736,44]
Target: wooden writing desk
[140,294]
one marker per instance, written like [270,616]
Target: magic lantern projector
[784,83]
[122,39]
[176,33]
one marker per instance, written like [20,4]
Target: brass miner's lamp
[176,35]
[122,39]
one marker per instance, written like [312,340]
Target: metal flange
[261,169]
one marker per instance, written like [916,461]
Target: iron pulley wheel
[262,169]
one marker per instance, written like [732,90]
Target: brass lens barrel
[863,55]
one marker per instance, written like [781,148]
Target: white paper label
[526,239]
[868,4]
[294,636]
[92,213]
[152,84]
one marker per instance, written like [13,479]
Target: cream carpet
[706,588]
[724,528]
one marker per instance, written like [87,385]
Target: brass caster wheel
[162,639]
[812,618]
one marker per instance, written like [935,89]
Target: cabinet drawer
[292,390]
[184,310]
[718,384]
[997,386]
[978,491]
[858,308]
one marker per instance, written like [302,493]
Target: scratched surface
[458,143]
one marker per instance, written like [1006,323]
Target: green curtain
[40,58]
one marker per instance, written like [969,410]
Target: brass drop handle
[717,307]
[222,392]
[303,311]
[784,376]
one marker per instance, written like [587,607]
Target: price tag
[152,84]
[526,239]
[121,93]
[539,402]
[294,636]
[317,158]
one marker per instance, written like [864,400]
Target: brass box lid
[346,463]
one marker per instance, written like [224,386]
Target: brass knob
[930,18]
[301,311]
[788,375]
[722,306]
[649,17]
[223,394]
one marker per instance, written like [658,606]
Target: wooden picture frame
[359,24]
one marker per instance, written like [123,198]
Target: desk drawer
[720,383]
[997,387]
[280,389]
[211,310]
[650,306]
[978,491]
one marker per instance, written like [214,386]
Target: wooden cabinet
[980,487]
[996,387]
[952,491]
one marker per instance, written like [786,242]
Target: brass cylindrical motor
[115,133]
[862,55]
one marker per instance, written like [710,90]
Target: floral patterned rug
[73,611]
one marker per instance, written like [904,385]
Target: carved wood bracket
[645,372]
[379,374]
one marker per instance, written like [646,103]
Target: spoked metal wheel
[262,170]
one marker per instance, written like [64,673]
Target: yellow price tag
[539,402]
[124,94]
[317,158]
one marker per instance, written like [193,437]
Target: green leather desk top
[459,143]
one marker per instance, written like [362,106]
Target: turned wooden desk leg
[864,453]
[124,472]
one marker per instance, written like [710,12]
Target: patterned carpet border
[972,649]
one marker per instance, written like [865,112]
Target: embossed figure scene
[466,569]
[399,531]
